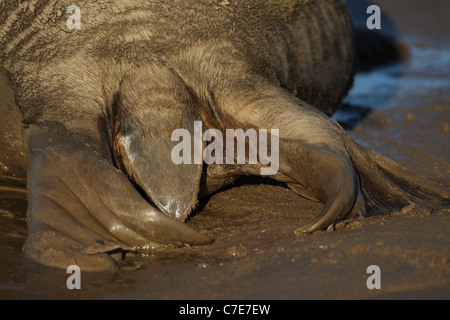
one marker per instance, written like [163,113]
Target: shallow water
[417,81]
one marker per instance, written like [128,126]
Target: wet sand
[401,111]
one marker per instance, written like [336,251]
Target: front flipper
[81,208]
[327,176]
[143,121]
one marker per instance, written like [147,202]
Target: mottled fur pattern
[113,91]
[314,56]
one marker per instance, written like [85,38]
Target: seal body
[100,104]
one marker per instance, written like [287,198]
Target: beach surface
[400,110]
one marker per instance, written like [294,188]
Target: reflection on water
[373,89]
[418,81]
[12,237]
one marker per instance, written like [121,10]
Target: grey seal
[98,105]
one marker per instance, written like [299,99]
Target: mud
[401,110]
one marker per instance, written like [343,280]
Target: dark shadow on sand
[375,49]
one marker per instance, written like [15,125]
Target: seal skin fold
[99,105]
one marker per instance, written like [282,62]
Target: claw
[77,195]
[331,179]
[142,126]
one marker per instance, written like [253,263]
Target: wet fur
[137,70]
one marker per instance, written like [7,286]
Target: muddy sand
[401,110]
